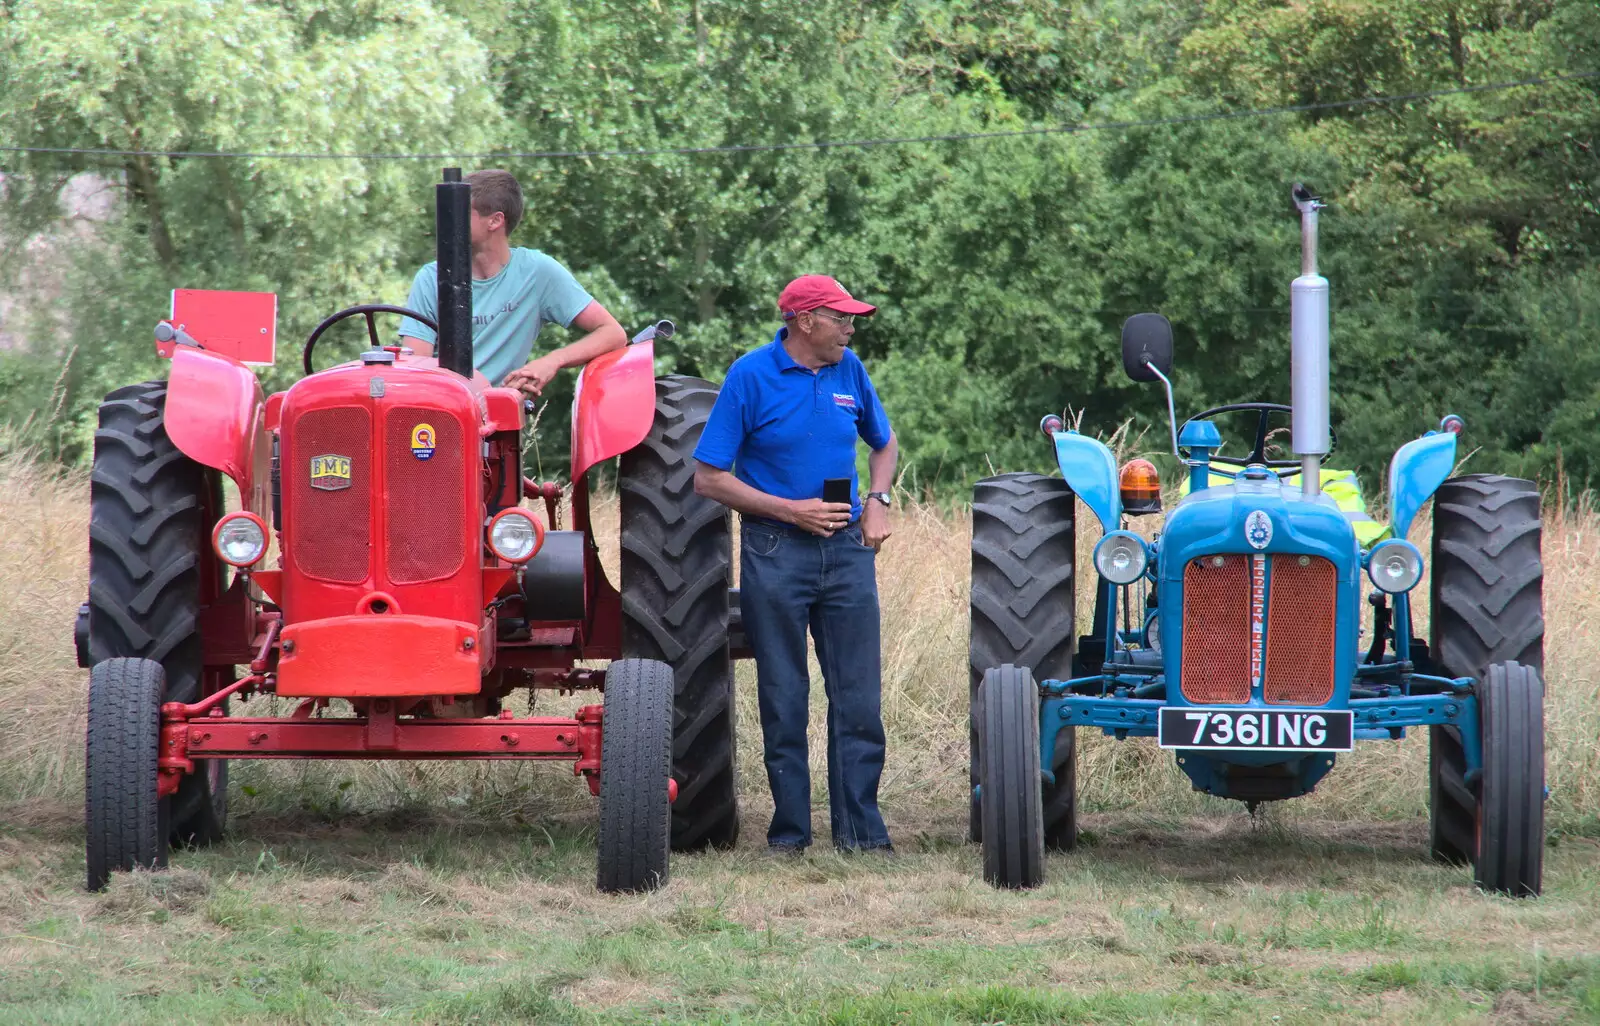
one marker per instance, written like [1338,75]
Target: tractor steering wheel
[1258,454]
[367,309]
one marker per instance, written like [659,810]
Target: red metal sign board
[243,325]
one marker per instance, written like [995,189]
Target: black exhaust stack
[453,225]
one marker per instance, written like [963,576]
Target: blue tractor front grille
[1300,631]
[1283,633]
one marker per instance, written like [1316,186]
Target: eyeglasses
[837,318]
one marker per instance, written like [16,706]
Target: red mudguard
[614,405]
[214,416]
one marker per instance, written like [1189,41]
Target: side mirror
[1147,343]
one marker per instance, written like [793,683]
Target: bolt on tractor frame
[413,591]
[1234,638]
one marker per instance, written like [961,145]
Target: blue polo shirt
[784,429]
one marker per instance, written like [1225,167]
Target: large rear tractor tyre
[1486,606]
[125,820]
[149,514]
[1511,793]
[1022,612]
[635,776]
[1486,587]
[1010,792]
[676,555]
[1452,804]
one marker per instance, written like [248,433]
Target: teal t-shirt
[507,310]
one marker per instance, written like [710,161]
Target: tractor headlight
[1394,566]
[240,539]
[1121,557]
[514,535]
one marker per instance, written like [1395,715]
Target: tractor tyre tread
[147,505]
[1452,806]
[635,768]
[1010,795]
[676,559]
[1022,612]
[1486,581]
[124,816]
[1511,792]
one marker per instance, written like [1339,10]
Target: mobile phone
[836,489]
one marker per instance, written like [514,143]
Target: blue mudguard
[1091,472]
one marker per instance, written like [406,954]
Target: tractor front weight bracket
[201,731]
[1375,718]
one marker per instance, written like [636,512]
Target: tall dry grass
[922,572]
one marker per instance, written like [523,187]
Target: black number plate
[1256,730]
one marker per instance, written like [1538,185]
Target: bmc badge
[422,441]
[330,473]
[1258,529]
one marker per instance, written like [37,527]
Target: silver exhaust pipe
[1308,305]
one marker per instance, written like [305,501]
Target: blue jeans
[789,581]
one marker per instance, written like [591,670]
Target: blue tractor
[1265,629]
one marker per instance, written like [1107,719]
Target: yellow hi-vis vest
[1342,487]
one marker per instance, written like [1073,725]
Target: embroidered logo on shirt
[845,400]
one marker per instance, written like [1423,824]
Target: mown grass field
[464,893]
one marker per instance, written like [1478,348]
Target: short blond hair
[496,191]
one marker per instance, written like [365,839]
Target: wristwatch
[882,497]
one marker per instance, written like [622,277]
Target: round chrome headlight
[514,535]
[1121,557]
[1395,566]
[240,539]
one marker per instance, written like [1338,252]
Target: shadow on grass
[499,841]
[1234,848]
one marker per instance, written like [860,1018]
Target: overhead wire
[824,144]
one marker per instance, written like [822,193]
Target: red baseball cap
[810,291]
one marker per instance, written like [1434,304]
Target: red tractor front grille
[329,525]
[426,500]
[1216,630]
[1300,631]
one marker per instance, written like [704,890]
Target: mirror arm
[1172,416]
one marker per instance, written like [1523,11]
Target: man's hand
[535,375]
[818,517]
[874,524]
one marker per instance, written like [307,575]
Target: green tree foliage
[1460,240]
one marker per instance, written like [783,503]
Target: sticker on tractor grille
[330,473]
[423,440]
[1256,730]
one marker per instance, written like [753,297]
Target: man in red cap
[785,424]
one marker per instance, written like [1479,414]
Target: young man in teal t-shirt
[514,293]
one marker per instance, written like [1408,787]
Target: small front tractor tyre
[149,506]
[125,819]
[1022,612]
[635,776]
[1009,792]
[676,556]
[1511,791]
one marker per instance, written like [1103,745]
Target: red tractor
[411,586]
